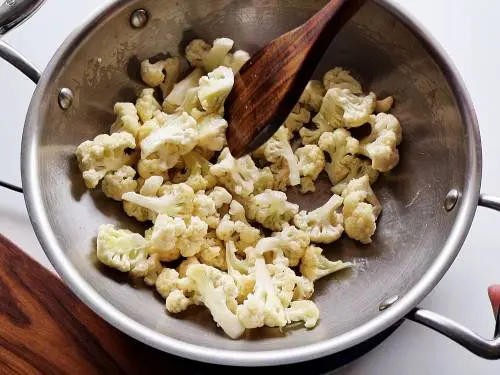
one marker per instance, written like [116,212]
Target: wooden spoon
[271,82]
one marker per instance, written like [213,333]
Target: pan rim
[48,241]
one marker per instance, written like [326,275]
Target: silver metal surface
[476,344]
[14,12]
[451,199]
[416,241]
[65,98]
[489,201]
[388,303]
[20,62]
[139,18]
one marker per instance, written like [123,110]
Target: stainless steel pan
[429,200]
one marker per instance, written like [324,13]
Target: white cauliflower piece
[146,105]
[220,196]
[124,250]
[196,172]
[217,54]
[263,306]
[214,88]
[284,280]
[312,97]
[152,167]
[338,144]
[307,185]
[177,201]
[240,271]
[213,252]
[305,311]
[166,282]
[150,187]
[177,302]
[356,168]
[119,182]
[381,145]
[310,160]
[278,148]
[324,224]
[163,73]
[218,293]
[170,142]
[191,242]
[297,118]
[314,265]
[240,176]
[304,288]
[178,94]
[271,209]
[238,231]
[106,153]
[127,119]
[342,79]
[295,242]
[361,209]
[204,208]
[236,60]
[185,264]
[212,132]
[384,105]
[196,51]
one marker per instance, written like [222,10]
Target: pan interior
[376,46]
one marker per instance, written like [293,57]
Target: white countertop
[469,35]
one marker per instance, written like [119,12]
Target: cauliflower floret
[185,264]
[381,145]
[214,88]
[220,196]
[178,94]
[304,288]
[124,250]
[196,51]
[127,119]
[324,224]
[278,148]
[342,79]
[240,176]
[271,209]
[307,185]
[196,172]
[218,293]
[238,231]
[305,311]
[295,242]
[361,209]
[204,208]
[297,118]
[177,201]
[384,105]
[213,252]
[106,153]
[315,266]
[263,306]
[217,54]
[177,302]
[172,237]
[152,167]
[311,161]
[146,105]
[166,281]
[212,132]
[356,168]
[170,142]
[119,182]
[338,144]
[236,60]
[163,73]
[284,280]
[312,97]
[240,271]
[150,187]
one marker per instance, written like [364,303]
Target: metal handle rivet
[139,18]
[65,98]
[388,303]
[451,199]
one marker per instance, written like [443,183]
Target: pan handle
[489,349]
[9,54]
[15,12]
